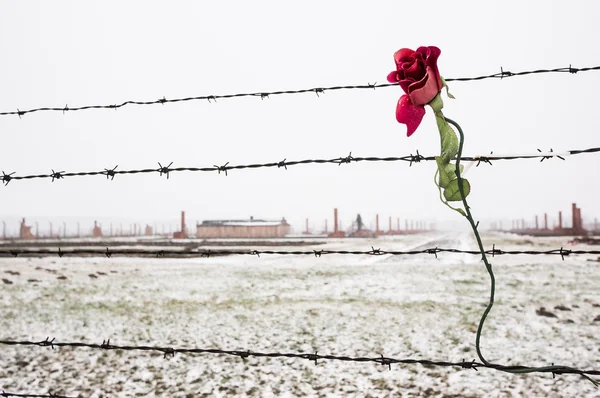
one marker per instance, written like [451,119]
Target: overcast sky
[78,53]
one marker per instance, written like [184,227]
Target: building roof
[252,222]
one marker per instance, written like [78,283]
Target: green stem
[469,217]
[520,369]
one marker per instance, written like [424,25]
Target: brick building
[251,228]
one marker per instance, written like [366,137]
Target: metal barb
[6,177]
[386,361]
[164,169]
[415,158]
[346,159]
[110,172]
[375,252]
[56,175]
[504,73]
[169,351]
[433,251]
[223,168]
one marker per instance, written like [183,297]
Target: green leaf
[448,138]
[446,172]
[444,84]
[452,191]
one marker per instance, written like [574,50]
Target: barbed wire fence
[312,357]
[109,252]
[503,74]
[110,173]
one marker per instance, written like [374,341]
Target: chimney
[398,223]
[183,221]
[306,227]
[545,220]
[536,223]
[560,220]
[390,228]
[574,216]
[335,220]
[377,223]
[325,225]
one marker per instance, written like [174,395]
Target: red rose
[418,75]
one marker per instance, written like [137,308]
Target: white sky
[78,53]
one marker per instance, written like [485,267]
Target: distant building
[25,231]
[251,228]
[149,231]
[97,231]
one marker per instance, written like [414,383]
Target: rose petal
[405,84]
[429,52]
[423,91]
[402,54]
[392,77]
[409,114]
[432,54]
[415,70]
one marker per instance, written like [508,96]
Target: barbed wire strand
[503,74]
[382,360]
[110,173]
[109,252]
[49,395]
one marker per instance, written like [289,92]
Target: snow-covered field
[401,307]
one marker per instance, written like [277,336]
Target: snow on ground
[398,306]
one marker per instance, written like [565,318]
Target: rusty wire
[188,252]
[381,359]
[110,173]
[503,74]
